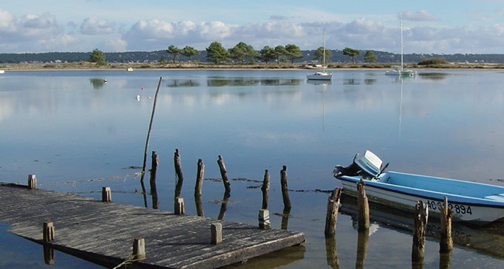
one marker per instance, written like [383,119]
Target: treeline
[307,56]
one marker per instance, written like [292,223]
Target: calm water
[78,133]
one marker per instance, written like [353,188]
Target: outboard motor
[366,165]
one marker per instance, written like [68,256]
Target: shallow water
[78,133]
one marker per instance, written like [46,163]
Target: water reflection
[433,75]
[331,252]
[182,83]
[362,246]
[97,82]
[487,239]
[242,81]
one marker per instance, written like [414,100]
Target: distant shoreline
[227,66]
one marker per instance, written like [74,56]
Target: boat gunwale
[422,193]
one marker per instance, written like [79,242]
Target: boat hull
[324,76]
[465,209]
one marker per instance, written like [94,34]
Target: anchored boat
[469,201]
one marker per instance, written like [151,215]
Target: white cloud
[421,15]
[95,26]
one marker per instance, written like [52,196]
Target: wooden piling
[150,125]
[153,188]
[421,219]
[106,194]
[199,178]
[223,172]
[285,218]
[32,182]
[333,203]
[155,162]
[285,189]
[48,231]
[178,172]
[265,189]
[215,233]
[139,249]
[363,204]
[446,241]
[179,206]
[264,220]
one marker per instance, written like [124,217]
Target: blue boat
[469,201]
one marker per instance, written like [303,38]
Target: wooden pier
[104,232]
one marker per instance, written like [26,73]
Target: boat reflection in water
[487,239]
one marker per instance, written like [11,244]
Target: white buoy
[138,97]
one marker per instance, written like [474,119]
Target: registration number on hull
[455,208]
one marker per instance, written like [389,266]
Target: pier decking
[103,232]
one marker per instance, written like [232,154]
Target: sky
[429,26]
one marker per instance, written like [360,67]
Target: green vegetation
[216,53]
[370,57]
[97,56]
[174,51]
[351,52]
[433,61]
[319,54]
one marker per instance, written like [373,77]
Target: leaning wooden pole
[223,172]
[150,126]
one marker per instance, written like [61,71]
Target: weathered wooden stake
[333,203]
[106,194]
[421,218]
[199,178]
[446,241]
[197,189]
[215,233]
[265,189]
[264,220]
[32,182]
[223,172]
[179,206]
[139,249]
[178,171]
[150,125]
[285,189]
[285,218]
[48,231]
[363,204]
[155,161]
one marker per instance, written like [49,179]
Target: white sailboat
[399,70]
[321,75]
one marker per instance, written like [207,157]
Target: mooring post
[363,204]
[32,182]
[285,189]
[265,189]
[139,249]
[215,233]
[106,194]
[446,241]
[223,172]
[48,231]
[264,220]
[178,171]
[199,178]
[421,218]
[333,203]
[179,206]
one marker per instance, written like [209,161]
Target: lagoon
[81,130]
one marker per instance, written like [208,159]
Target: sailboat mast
[323,59]
[402,47]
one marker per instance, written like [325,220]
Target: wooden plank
[104,232]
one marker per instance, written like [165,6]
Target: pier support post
[155,162]
[264,220]
[363,204]
[179,206]
[215,233]
[421,218]
[139,249]
[446,241]
[333,203]
[48,231]
[223,172]
[32,182]
[285,189]
[265,189]
[106,194]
